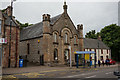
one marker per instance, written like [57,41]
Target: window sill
[66,43]
[55,43]
[55,61]
[75,44]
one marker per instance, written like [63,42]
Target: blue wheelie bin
[20,62]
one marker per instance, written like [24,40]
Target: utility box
[20,62]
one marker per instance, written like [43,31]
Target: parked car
[112,62]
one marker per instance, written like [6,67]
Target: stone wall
[14,47]
[35,49]
[47,44]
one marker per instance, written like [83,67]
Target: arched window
[66,54]
[66,38]
[55,37]
[75,40]
[55,54]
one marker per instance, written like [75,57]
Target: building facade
[9,59]
[48,41]
[102,51]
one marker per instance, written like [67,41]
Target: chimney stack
[9,11]
[46,17]
[80,30]
[46,23]
[99,38]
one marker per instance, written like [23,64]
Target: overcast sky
[93,14]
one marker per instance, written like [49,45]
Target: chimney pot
[8,10]
[46,17]
[80,26]
[99,38]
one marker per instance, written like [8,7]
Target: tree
[92,34]
[23,25]
[111,36]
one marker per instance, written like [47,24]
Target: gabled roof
[35,30]
[7,20]
[54,19]
[93,43]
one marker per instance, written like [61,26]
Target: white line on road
[75,75]
[91,76]
[109,73]
[84,74]
[79,75]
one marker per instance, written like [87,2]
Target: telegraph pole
[70,57]
[9,60]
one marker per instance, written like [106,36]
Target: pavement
[56,72]
[8,71]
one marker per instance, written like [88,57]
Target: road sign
[3,40]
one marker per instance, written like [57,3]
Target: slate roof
[93,43]
[35,30]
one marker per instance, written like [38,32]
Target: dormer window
[66,38]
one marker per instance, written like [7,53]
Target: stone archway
[66,55]
[55,54]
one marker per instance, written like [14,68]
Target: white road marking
[109,73]
[79,75]
[72,76]
[91,76]
[84,74]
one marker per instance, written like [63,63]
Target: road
[77,74]
[101,73]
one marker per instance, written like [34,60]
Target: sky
[93,14]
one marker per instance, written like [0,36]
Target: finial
[64,2]
[65,6]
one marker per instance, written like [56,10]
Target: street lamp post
[70,57]
[9,61]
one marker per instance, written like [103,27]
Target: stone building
[48,41]
[5,19]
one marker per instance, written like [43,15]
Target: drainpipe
[16,47]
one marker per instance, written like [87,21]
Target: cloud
[93,15]
[62,0]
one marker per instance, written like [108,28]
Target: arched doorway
[55,54]
[66,55]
